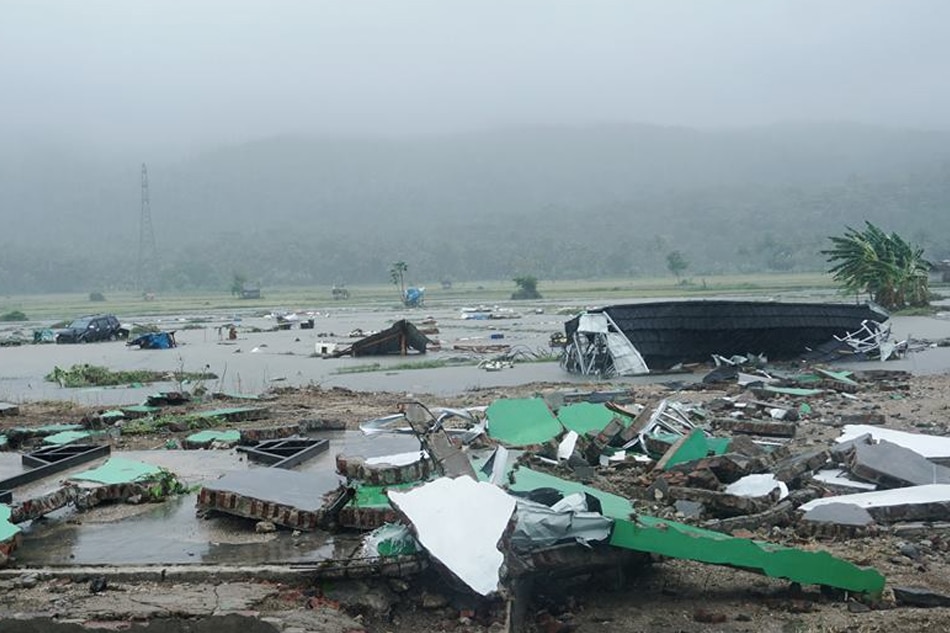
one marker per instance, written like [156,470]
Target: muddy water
[171,532]
[261,359]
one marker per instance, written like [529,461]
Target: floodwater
[261,358]
[171,532]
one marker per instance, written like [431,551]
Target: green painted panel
[206,437]
[613,506]
[793,391]
[375,496]
[668,538]
[718,445]
[584,417]
[695,447]
[118,470]
[7,529]
[66,437]
[142,408]
[522,421]
[840,376]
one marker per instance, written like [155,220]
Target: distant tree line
[566,204]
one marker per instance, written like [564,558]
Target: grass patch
[13,315]
[157,424]
[96,376]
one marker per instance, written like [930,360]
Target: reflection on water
[171,532]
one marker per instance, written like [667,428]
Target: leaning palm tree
[891,270]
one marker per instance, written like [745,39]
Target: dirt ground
[666,596]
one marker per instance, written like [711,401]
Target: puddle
[171,532]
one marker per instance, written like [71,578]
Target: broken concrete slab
[522,421]
[727,468]
[792,468]
[763,428]
[722,504]
[390,469]
[838,479]
[366,507]
[920,597]
[760,485]
[120,479]
[42,505]
[9,410]
[915,503]
[17,435]
[284,497]
[781,514]
[262,434]
[136,411]
[845,514]
[933,447]
[460,522]
[893,466]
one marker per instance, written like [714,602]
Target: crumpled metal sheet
[538,525]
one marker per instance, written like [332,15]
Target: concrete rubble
[494,499]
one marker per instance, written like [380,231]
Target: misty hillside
[553,202]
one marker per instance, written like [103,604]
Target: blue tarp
[415,297]
[155,340]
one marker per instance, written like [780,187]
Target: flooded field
[263,357]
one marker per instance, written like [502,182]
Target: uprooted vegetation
[84,375]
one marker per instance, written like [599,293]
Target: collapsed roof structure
[399,338]
[637,337]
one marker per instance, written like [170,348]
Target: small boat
[667,333]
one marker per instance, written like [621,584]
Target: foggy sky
[132,72]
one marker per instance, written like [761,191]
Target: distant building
[250,293]
[940,272]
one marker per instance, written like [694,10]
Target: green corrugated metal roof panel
[522,421]
[206,437]
[7,529]
[668,538]
[66,437]
[118,470]
[584,417]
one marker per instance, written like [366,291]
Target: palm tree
[397,273]
[891,270]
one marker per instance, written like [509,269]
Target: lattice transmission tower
[148,254]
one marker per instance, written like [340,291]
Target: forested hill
[550,202]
